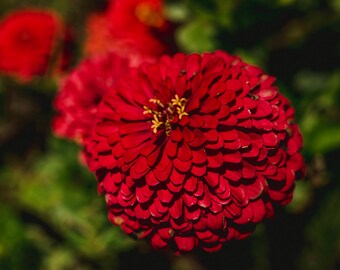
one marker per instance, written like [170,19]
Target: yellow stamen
[164,115]
[156,123]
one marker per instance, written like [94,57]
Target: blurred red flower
[195,150]
[128,27]
[28,39]
[81,92]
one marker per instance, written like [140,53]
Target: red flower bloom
[195,150]
[81,93]
[27,41]
[127,27]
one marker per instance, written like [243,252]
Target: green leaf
[197,36]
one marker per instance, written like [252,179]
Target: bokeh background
[51,216]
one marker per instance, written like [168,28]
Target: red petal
[199,156]
[263,124]
[133,140]
[159,206]
[171,148]
[230,121]
[164,195]
[245,123]
[215,222]
[141,195]
[176,209]
[211,135]
[199,139]
[216,207]
[181,165]
[244,139]
[192,213]
[246,216]
[270,139]
[199,170]
[174,188]
[230,135]
[223,113]
[184,152]
[188,135]
[176,135]
[234,85]
[189,200]
[163,168]
[107,161]
[148,148]
[176,177]
[196,121]
[212,179]
[131,128]
[232,145]
[232,211]
[206,201]
[248,171]
[233,175]
[235,157]
[185,243]
[153,157]
[263,109]
[259,210]
[193,64]
[210,105]
[239,194]
[157,241]
[243,114]
[151,180]
[154,211]
[139,169]
[142,213]
[215,161]
[200,189]
[204,235]
[191,184]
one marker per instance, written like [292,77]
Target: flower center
[163,115]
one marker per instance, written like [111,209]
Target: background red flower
[81,92]
[132,27]
[27,42]
[195,150]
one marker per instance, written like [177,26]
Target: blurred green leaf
[197,36]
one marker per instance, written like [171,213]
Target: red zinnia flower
[195,150]
[27,41]
[81,93]
[128,27]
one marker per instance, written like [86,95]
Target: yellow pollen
[156,123]
[164,114]
[157,102]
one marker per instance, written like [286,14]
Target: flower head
[27,42]
[128,27]
[81,92]
[195,150]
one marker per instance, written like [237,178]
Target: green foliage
[64,218]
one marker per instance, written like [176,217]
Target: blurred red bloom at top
[28,39]
[195,150]
[136,15]
[128,27]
